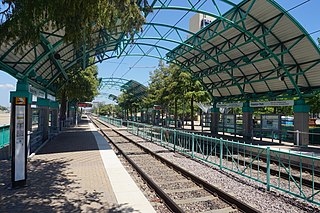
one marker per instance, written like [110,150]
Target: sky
[139,68]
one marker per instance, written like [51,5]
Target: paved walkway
[67,175]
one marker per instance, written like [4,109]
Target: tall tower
[199,21]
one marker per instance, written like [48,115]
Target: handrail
[4,135]
[243,159]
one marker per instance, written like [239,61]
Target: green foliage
[314,103]
[108,109]
[25,19]
[128,101]
[83,86]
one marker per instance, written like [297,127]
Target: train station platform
[77,171]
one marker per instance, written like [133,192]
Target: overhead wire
[132,47]
[165,36]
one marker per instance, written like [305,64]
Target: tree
[177,83]
[26,19]
[158,92]
[82,87]
[196,92]
[108,109]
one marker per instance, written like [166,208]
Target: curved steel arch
[108,83]
[256,40]
[115,47]
[56,45]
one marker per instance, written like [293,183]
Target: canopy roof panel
[260,51]
[135,88]
[240,55]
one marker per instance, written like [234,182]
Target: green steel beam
[10,70]
[233,24]
[48,48]
[191,10]
[112,82]
[41,57]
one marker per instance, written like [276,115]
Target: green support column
[43,105]
[247,121]
[301,122]
[214,126]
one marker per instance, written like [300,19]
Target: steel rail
[283,175]
[231,200]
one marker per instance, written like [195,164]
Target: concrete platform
[75,172]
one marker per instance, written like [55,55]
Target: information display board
[206,119]
[19,142]
[229,121]
[271,122]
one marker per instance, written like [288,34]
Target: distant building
[199,21]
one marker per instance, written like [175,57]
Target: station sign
[272,103]
[229,105]
[84,105]
[36,93]
[19,142]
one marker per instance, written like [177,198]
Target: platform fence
[272,168]
[113,121]
[4,135]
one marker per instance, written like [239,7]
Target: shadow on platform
[51,188]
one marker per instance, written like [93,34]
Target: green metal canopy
[135,88]
[108,83]
[256,49]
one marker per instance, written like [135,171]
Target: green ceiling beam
[111,82]
[42,57]
[10,70]
[233,24]
[49,48]
[190,10]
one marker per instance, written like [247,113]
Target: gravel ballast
[247,190]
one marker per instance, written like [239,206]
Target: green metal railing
[265,165]
[113,121]
[4,135]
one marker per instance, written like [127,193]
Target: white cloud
[7,86]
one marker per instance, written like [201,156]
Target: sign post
[19,141]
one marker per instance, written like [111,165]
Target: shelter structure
[255,50]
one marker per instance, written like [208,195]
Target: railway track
[261,166]
[179,189]
[295,170]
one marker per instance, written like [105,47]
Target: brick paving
[67,175]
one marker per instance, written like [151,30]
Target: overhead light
[281,78]
[57,56]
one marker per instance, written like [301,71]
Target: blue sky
[138,68]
